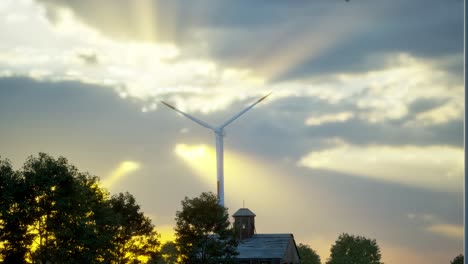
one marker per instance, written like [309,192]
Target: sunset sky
[363,131]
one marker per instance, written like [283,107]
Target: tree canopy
[203,231]
[134,235]
[52,213]
[168,253]
[458,259]
[349,249]
[308,255]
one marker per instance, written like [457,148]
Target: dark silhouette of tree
[349,249]
[134,234]
[458,259]
[52,213]
[203,231]
[168,254]
[308,255]
[15,216]
[63,205]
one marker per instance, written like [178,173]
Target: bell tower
[244,223]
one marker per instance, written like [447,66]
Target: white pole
[219,165]
[219,132]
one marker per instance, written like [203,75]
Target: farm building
[262,248]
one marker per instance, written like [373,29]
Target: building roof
[243,212]
[264,246]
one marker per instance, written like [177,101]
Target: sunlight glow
[395,253]
[167,233]
[245,177]
[201,158]
[447,230]
[123,170]
[304,47]
[195,153]
[321,245]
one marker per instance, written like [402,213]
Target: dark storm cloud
[178,15]
[425,104]
[392,133]
[427,29]
[250,33]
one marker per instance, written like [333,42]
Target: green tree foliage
[52,213]
[168,253]
[62,204]
[308,255]
[349,249]
[134,234]
[15,216]
[203,232]
[458,259]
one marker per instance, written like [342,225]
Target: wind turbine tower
[219,134]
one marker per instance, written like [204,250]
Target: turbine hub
[220,131]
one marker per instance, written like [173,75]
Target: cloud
[441,114]
[447,230]
[147,71]
[80,45]
[393,27]
[329,118]
[323,37]
[88,58]
[435,167]
[426,218]
[387,93]
[413,92]
[434,225]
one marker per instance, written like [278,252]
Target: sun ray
[123,170]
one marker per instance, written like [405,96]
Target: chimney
[244,223]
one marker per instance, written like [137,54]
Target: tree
[14,216]
[52,213]
[64,204]
[135,237]
[203,231]
[168,253]
[458,259]
[349,249]
[308,255]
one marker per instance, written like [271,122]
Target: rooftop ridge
[243,212]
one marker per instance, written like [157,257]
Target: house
[262,248]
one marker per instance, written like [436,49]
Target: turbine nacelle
[220,131]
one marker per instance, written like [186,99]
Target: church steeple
[244,223]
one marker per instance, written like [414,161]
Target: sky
[362,134]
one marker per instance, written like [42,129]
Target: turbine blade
[243,111]
[194,119]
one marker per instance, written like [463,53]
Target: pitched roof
[243,212]
[264,246]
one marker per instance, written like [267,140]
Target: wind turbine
[219,134]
